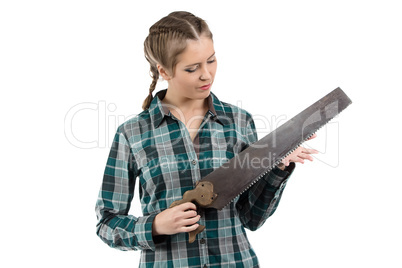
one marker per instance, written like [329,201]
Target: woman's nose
[205,74]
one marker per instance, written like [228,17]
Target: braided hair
[167,39]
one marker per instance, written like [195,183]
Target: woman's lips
[206,87]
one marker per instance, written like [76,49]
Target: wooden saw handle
[202,195]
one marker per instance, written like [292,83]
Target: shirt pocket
[163,180]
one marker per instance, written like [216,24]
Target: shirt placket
[196,176]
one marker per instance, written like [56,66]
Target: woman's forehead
[197,51]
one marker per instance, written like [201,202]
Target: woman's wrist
[281,166]
[154,227]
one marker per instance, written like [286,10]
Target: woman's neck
[185,105]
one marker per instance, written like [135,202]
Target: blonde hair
[167,39]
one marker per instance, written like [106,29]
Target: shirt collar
[158,111]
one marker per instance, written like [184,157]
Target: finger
[187,229]
[312,137]
[305,156]
[189,214]
[309,151]
[187,206]
[192,221]
[298,160]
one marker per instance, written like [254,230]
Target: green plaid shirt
[157,149]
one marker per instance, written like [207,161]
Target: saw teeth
[280,160]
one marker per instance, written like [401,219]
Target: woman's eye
[191,70]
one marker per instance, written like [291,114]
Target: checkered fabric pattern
[156,148]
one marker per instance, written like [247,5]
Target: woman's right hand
[179,219]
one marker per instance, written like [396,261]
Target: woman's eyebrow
[199,62]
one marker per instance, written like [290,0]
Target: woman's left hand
[300,154]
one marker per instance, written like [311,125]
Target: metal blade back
[242,171]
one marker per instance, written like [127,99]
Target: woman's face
[195,70]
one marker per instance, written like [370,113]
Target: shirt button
[194,162]
[202,241]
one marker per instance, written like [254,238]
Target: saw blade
[238,174]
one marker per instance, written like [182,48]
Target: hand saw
[234,177]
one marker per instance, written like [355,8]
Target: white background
[71,71]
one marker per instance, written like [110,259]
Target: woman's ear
[163,72]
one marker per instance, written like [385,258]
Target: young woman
[183,134]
